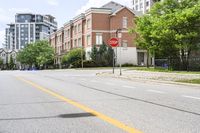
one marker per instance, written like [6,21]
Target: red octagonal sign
[113,42]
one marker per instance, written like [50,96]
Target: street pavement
[79,101]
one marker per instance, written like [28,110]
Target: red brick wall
[116,23]
[100,21]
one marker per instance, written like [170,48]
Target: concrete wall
[128,55]
[87,53]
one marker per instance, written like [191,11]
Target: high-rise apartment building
[143,5]
[29,28]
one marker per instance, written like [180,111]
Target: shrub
[127,65]
[89,63]
[73,57]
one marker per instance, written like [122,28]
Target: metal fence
[193,64]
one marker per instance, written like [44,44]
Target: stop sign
[113,42]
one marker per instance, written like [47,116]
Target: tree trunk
[182,60]
[188,59]
[147,58]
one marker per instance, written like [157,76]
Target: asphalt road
[75,101]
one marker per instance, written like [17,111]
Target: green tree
[74,57]
[172,28]
[45,53]
[144,39]
[103,56]
[11,63]
[102,49]
[1,62]
[94,53]
[110,56]
[36,54]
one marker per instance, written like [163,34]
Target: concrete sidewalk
[163,77]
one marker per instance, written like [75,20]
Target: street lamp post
[119,35]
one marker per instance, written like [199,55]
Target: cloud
[19,10]
[53,2]
[4,17]
[99,3]
[7,15]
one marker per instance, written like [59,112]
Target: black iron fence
[192,64]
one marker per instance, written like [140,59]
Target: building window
[79,42]
[99,38]
[124,44]
[65,34]
[60,38]
[141,5]
[125,22]
[79,28]
[88,24]
[75,43]
[68,33]
[65,45]
[75,29]
[68,45]
[147,3]
[88,40]
[136,7]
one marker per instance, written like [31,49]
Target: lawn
[151,69]
[192,81]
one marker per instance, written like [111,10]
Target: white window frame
[75,43]
[79,42]
[75,29]
[68,45]
[125,44]
[88,40]
[68,33]
[125,22]
[88,23]
[99,39]
[79,28]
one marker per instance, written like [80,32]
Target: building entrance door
[141,59]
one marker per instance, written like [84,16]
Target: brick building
[98,25]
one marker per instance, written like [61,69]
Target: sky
[62,10]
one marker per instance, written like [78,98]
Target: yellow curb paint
[86,109]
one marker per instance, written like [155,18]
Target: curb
[146,80]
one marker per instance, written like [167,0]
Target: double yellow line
[86,109]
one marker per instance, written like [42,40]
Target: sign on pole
[113,42]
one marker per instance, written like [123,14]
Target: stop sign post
[114,42]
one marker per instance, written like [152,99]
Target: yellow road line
[86,109]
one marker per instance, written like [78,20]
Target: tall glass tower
[29,28]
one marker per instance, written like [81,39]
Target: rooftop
[113,5]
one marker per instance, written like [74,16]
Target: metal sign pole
[113,42]
[113,61]
[120,57]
